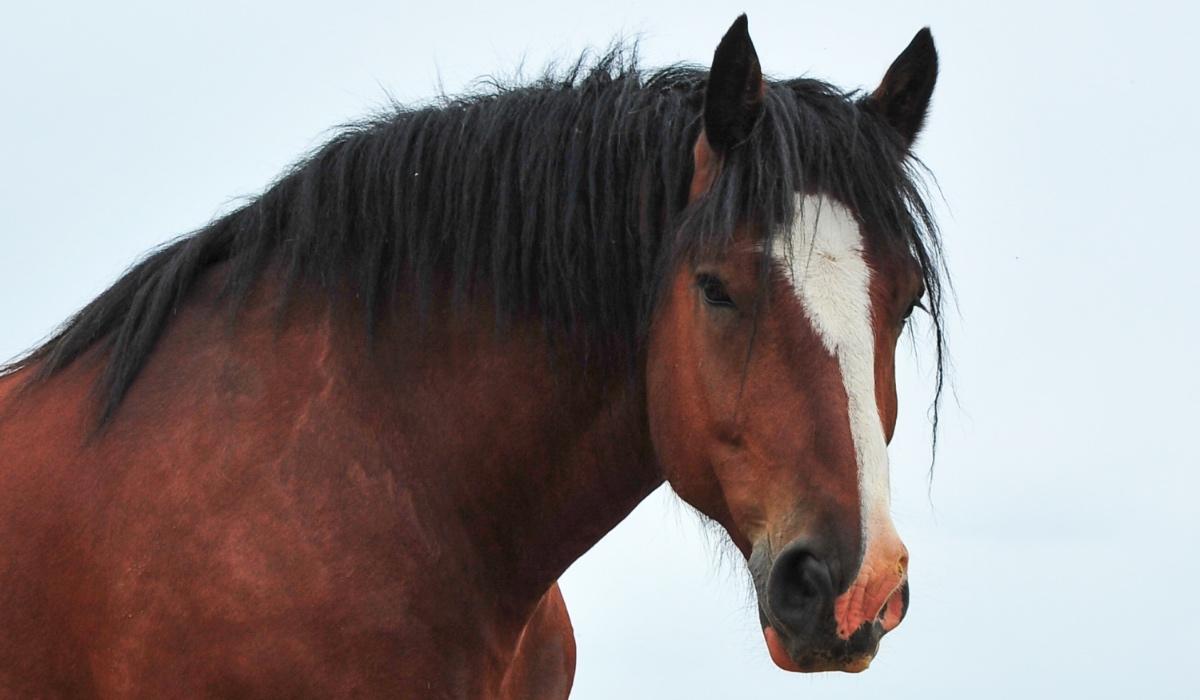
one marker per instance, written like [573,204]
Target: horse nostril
[800,592]
[808,576]
[893,609]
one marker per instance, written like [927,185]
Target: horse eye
[913,307]
[713,291]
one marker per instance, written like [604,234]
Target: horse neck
[499,461]
[517,456]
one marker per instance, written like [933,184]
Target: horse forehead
[825,226]
[827,267]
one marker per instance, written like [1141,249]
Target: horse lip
[812,662]
[778,650]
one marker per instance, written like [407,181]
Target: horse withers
[344,440]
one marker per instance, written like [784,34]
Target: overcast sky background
[1056,552]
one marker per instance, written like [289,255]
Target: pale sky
[1056,552]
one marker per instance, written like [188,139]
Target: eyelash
[918,304]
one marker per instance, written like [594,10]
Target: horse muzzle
[812,622]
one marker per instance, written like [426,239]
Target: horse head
[770,373]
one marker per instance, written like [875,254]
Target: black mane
[564,198]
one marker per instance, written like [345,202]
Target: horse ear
[902,99]
[734,97]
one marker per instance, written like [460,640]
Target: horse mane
[564,198]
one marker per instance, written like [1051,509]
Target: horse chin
[811,663]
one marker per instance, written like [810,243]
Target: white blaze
[833,282]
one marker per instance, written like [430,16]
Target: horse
[345,439]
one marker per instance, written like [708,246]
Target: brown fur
[543,667]
[261,518]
